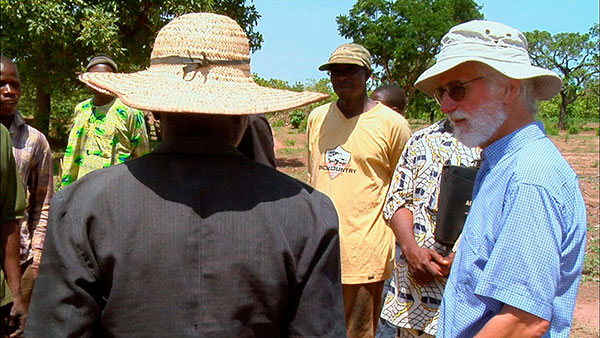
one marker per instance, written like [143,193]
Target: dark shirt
[195,241]
[257,142]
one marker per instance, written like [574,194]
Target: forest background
[51,41]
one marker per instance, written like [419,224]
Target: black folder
[454,202]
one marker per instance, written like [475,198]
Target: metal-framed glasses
[455,89]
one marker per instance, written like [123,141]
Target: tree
[51,40]
[404,36]
[572,55]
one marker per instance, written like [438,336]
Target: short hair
[391,96]
[9,61]
[526,90]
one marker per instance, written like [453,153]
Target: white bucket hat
[496,45]
[200,63]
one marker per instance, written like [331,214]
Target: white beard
[480,125]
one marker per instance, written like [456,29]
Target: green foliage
[591,263]
[575,58]
[573,129]
[52,40]
[278,122]
[551,126]
[61,119]
[290,142]
[296,118]
[403,37]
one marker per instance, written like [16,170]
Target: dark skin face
[10,89]
[350,84]
[101,99]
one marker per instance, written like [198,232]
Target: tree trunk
[41,119]
[563,111]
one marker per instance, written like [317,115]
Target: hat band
[202,62]
[192,64]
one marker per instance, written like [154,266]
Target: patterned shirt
[415,186]
[523,241]
[34,160]
[102,136]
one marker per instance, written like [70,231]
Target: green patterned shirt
[103,136]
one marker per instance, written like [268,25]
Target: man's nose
[448,105]
[7,89]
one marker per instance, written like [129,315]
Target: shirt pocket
[104,140]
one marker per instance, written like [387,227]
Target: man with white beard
[518,264]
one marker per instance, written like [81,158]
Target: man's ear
[369,75]
[512,91]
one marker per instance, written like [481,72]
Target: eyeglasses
[455,89]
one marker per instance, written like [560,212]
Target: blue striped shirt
[523,241]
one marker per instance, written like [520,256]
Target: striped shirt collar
[17,122]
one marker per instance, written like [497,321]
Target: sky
[299,35]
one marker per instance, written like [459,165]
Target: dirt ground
[580,150]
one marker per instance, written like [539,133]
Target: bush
[296,118]
[551,126]
[278,122]
[573,129]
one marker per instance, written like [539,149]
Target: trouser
[362,303]
[386,329]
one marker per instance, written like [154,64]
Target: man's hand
[446,264]
[423,264]
[18,316]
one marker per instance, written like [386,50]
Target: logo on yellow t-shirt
[337,162]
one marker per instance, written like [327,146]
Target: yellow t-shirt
[353,161]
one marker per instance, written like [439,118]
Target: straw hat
[496,45]
[200,63]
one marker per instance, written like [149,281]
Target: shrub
[296,118]
[573,129]
[278,122]
[551,126]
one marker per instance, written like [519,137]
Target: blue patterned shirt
[523,241]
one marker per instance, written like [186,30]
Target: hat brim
[213,89]
[341,61]
[546,83]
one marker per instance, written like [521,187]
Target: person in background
[105,131]
[34,160]
[354,144]
[391,96]
[193,239]
[12,208]
[410,307]
[517,268]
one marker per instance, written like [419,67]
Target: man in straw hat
[105,131]
[354,145]
[220,246]
[519,261]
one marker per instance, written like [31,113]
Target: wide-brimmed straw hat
[496,45]
[200,63]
